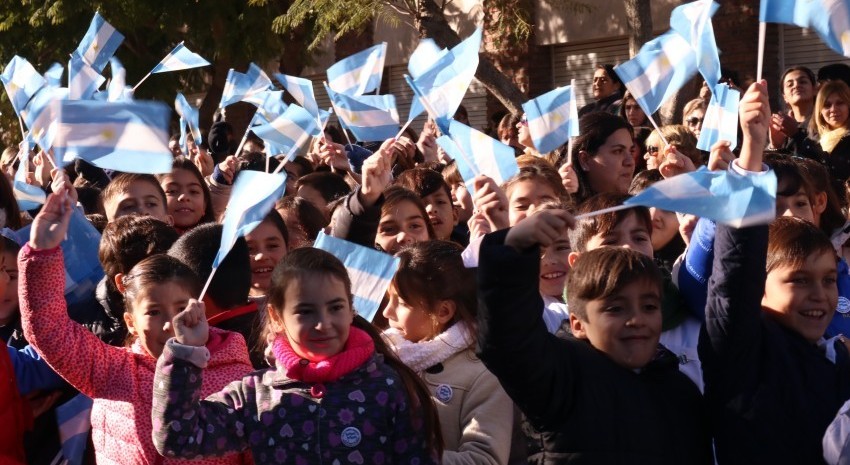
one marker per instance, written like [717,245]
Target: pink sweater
[120,380]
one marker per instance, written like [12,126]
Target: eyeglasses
[651,149]
[693,121]
[524,122]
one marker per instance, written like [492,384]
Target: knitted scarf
[356,351]
[830,139]
[422,355]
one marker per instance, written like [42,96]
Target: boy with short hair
[135,193]
[606,394]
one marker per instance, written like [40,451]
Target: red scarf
[357,350]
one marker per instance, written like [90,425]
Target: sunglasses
[524,122]
[651,149]
[693,121]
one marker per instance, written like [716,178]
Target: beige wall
[608,19]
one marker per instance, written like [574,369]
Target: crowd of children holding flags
[593,289]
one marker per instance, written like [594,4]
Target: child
[120,380]
[135,193]
[606,394]
[338,394]
[227,303]
[431,312]
[267,245]
[667,243]
[534,185]
[322,188]
[303,220]
[188,197]
[436,196]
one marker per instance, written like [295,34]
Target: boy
[606,394]
[134,193]
[771,382]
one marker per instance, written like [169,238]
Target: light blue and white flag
[359,73]
[830,19]
[74,420]
[721,118]
[477,153]
[41,114]
[252,198]
[189,114]
[21,81]
[53,76]
[550,122]
[27,195]
[301,90]
[289,132]
[371,271]
[99,44]
[693,22]
[271,108]
[369,117]
[723,196]
[178,59]
[116,88]
[659,70]
[83,80]
[241,86]
[130,137]
[426,54]
[445,83]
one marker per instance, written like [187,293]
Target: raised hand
[190,326]
[228,168]
[51,224]
[542,228]
[674,162]
[377,173]
[568,178]
[333,155]
[490,200]
[202,159]
[62,181]
[427,143]
[720,156]
[754,115]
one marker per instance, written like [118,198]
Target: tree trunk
[639,18]
[430,22]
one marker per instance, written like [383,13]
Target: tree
[428,18]
[639,18]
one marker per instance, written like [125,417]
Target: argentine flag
[829,18]
[271,107]
[477,153]
[189,114]
[371,272]
[252,198]
[369,117]
[178,59]
[359,73]
[130,137]
[83,80]
[693,22]
[289,132]
[659,70]
[21,81]
[53,76]
[723,196]
[550,119]
[301,90]
[27,195]
[242,86]
[424,56]
[116,89]
[74,421]
[41,114]
[721,118]
[99,44]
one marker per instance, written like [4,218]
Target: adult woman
[676,135]
[693,114]
[603,151]
[632,112]
[831,124]
[788,129]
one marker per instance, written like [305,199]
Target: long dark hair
[311,261]
[10,204]
[594,129]
[184,163]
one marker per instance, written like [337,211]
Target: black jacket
[771,393]
[579,406]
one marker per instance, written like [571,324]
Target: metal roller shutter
[578,61]
[803,47]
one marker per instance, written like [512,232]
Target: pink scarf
[357,350]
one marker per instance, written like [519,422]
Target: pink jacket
[120,380]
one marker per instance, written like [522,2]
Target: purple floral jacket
[361,418]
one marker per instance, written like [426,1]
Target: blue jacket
[771,394]
[32,372]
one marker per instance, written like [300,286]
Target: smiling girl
[267,244]
[187,195]
[119,379]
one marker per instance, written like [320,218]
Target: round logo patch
[351,436]
[444,393]
[843,305]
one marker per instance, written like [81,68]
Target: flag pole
[762,33]
[207,285]
[403,128]
[244,139]
[657,129]
[140,82]
[603,211]
[570,152]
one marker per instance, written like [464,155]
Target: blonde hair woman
[678,136]
[831,124]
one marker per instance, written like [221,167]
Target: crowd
[515,329]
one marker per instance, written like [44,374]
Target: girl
[603,153]
[267,244]
[632,112]
[832,126]
[303,220]
[338,394]
[432,318]
[789,129]
[120,380]
[187,195]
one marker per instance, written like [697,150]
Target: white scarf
[422,355]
